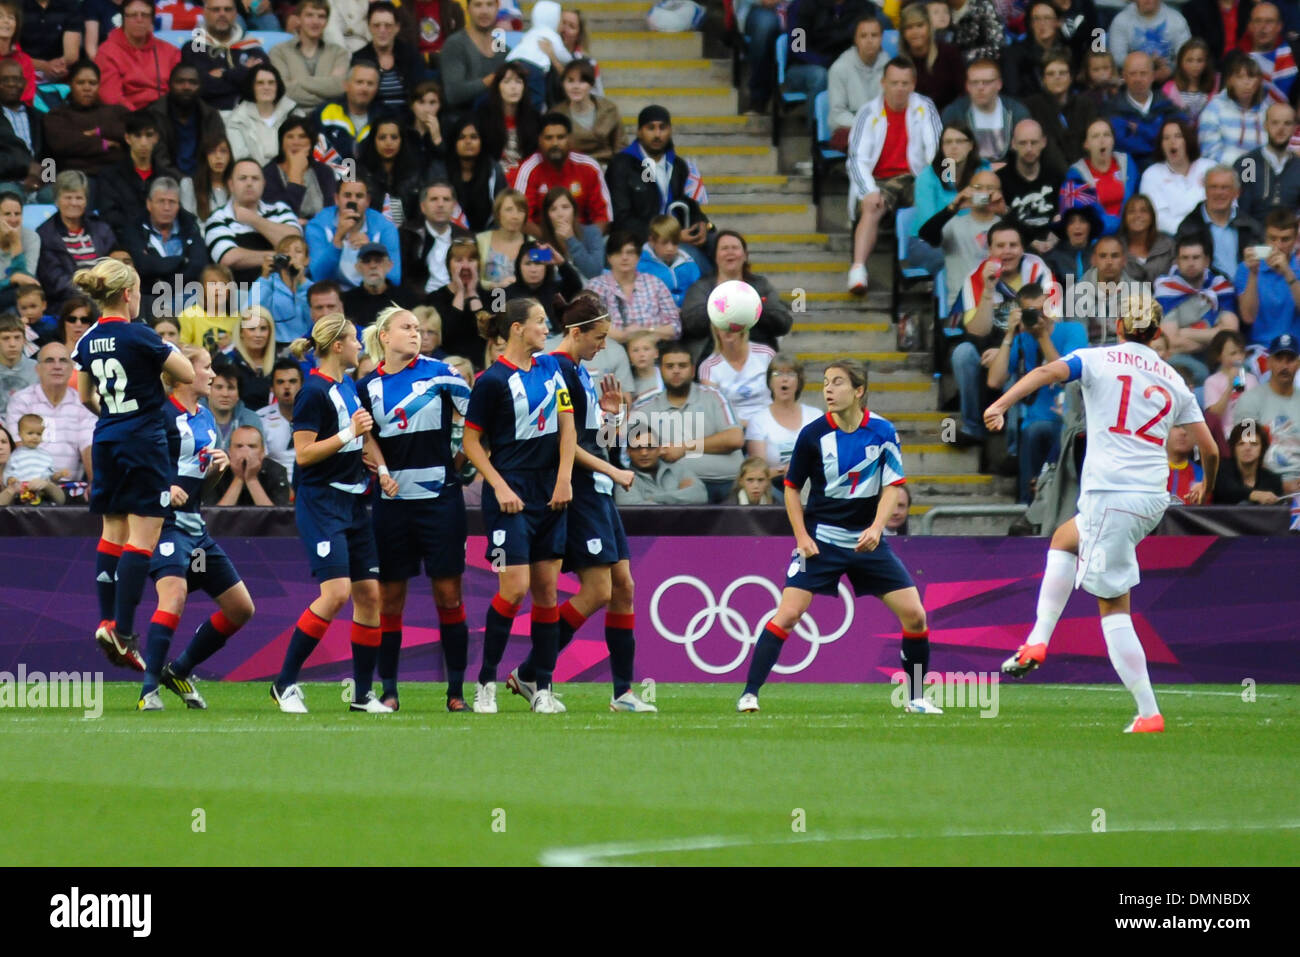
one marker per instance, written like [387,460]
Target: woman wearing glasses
[461,301]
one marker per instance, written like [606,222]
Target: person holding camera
[1033,338]
[337,234]
[364,303]
[282,289]
[963,240]
[541,273]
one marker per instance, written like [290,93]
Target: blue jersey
[125,359]
[191,439]
[325,407]
[412,409]
[847,472]
[587,416]
[516,411]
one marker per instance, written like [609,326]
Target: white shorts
[1110,526]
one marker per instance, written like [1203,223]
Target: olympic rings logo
[735,625]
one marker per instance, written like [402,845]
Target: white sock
[1053,593]
[1130,661]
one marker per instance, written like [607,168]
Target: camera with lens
[1030,319]
[279,261]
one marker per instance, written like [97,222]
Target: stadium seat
[37,213]
[822,153]
[270,38]
[903,275]
[177,38]
[889,43]
[782,99]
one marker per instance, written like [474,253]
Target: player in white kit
[1132,399]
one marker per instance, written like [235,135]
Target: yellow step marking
[684,123]
[774,209]
[859,356]
[617,92]
[657,64]
[841,327]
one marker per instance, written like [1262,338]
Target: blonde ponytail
[328,330]
[107,281]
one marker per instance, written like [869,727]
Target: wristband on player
[383,471]
[347,435]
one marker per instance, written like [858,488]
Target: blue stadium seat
[889,43]
[822,154]
[782,99]
[35,214]
[904,275]
[177,38]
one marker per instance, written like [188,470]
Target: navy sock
[310,630]
[500,619]
[766,652]
[132,573]
[207,641]
[161,630]
[546,638]
[915,655]
[455,648]
[366,640]
[390,647]
[107,556]
[622,650]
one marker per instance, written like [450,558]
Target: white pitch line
[1161,690]
[600,855]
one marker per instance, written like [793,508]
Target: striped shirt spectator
[226,233]
[69,425]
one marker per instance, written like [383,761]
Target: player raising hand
[1131,400]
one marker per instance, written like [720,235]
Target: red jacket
[580,175]
[134,77]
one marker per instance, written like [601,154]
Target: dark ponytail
[517,311]
[583,309]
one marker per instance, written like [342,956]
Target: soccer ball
[734,306]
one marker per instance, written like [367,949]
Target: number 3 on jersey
[112,386]
[1121,423]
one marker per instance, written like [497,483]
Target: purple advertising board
[1208,610]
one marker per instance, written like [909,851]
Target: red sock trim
[776,632]
[615,619]
[223,625]
[575,618]
[312,624]
[166,619]
[106,547]
[545,614]
[146,552]
[368,635]
[390,622]
[451,616]
[503,607]
[916,634]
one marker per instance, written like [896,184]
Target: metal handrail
[927,520]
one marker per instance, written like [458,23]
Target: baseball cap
[1284,343]
[372,249]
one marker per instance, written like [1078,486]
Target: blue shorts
[131,477]
[428,530]
[595,533]
[870,573]
[536,534]
[196,558]
[337,534]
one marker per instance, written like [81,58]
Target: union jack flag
[1075,194]
[327,154]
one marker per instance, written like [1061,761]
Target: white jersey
[278,432]
[746,390]
[1132,399]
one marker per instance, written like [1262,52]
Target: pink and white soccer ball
[734,306]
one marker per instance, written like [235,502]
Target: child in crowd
[1100,77]
[30,473]
[1184,474]
[940,20]
[431,335]
[41,328]
[643,356]
[663,258]
[209,324]
[17,371]
[753,487]
[1223,388]
[1194,81]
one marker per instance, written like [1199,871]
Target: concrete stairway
[802,249]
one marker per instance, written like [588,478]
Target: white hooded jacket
[545,26]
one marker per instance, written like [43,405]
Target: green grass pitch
[695,784]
